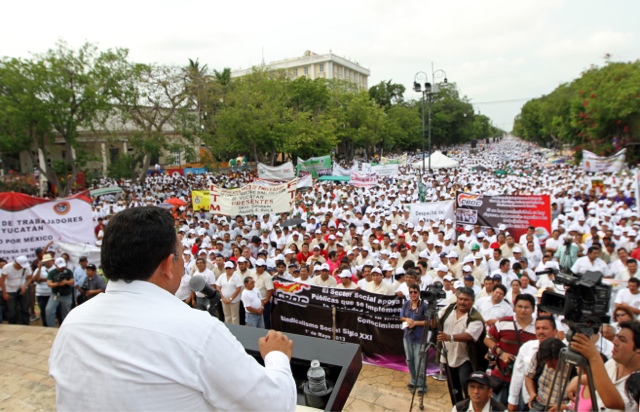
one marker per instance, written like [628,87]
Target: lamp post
[428,93]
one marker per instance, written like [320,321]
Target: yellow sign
[200,200]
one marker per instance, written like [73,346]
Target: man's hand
[512,408]
[506,357]
[443,337]
[22,289]
[584,346]
[5,295]
[275,341]
[491,322]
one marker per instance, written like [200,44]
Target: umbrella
[293,222]
[480,168]
[175,201]
[166,206]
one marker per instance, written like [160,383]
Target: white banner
[77,250]
[400,161]
[431,211]
[362,180]
[253,199]
[306,181]
[27,222]
[341,171]
[385,170]
[594,163]
[282,172]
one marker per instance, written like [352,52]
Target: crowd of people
[495,341]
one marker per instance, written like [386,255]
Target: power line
[502,101]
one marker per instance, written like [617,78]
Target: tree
[154,101]
[387,94]
[49,99]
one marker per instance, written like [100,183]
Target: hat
[458,284]
[60,262]
[497,277]
[466,268]
[443,268]
[517,250]
[47,257]
[467,259]
[229,265]
[91,266]
[480,377]
[469,278]
[475,246]
[241,259]
[261,262]
[394,255]
[452,255]
[376,270]
[345,274]
[289,251]
[449,278]
[24,262]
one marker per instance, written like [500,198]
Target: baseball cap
[448,277]
[480,377]
[24,262]
[345,274]
[469,278]
[229,265]
[475,246]
[452,255]
[443,268]
[466,268]
[261,262]
[60,262]
[241,259]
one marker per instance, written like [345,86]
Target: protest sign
[27,222]
[431,211]
[253,198]
[363,180]
[517,212]
[594,163]
[315,166]
[385,170]
[282,172]
[200,199]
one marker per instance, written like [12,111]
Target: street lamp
[428,93]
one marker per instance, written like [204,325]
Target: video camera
[584,305]
[433,293]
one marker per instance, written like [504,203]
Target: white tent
[438,161]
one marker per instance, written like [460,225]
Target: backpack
[477,351]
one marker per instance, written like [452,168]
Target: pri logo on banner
[468,199]
[62,208]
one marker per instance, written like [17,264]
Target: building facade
[319,66]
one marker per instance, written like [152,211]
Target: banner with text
[594,163]
[363,180]
[517,212]
[200,199]
[253,199]
[315,166]
[431,211]
[400,161]
[282,172]
[385,170]
[27,222]
[363,318]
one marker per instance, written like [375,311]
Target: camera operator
[610,377]
[461,333]
[567,253]
[504,340]
[414,314]
[184,359]
[591,263]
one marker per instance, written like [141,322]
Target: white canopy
[438,161]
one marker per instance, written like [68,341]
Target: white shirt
[489,310]
[583,265]
[625,296]
[146,350]
[228,286]
[208,276]
[457,351]
[612,370]
[520,366]
[252,299]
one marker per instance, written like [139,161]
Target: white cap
[458,284]
[466,268]
[449,278]
[393,255]
[452,254]
[516,250]
[345,274]
[228,265]
[376,270]
[60,262]
[241,259]
[261,262]
[443,268]
[24,262]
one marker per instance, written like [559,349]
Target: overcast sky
[500,53]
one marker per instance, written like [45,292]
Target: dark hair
[467,291]
[632,386]
[549,318]
[527,297]
[247,280]
[505,262]
[415,286]
[634,280]
[409,264]
[550,348]
[502,287]
[135,241]
[634,327]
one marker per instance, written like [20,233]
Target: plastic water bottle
[316,377]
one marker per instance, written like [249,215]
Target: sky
[499,53]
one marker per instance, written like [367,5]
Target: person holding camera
[414,315]
[60,280]
[14,281]
[504,340]
[567,253]
[540,375]
[93,284]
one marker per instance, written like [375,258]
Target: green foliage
[123,167]
[601,105]
[386,94]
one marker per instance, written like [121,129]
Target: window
[295,72]
[321,67]
[306,69]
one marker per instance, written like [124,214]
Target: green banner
[315,166]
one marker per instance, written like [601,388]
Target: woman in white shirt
[230,286]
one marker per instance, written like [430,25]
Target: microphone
[198,284]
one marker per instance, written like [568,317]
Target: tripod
[567,361]
[425,344]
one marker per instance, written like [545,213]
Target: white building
[319,66]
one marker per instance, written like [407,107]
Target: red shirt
[302,258]
[503,332]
